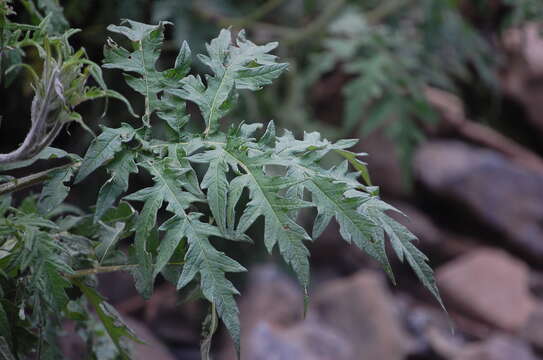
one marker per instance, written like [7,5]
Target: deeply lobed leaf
[281,174]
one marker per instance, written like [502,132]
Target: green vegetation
[51,250]
[210,175]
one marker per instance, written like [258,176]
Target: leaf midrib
[213,103]
[324,193]
[338,205]
[145,79]
[261,190]
[94,158]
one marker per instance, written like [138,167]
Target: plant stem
[316,26]
[33,179]
[247,21]
[292,35]
[260,12]
[108,269]
[387,8]
[101,270]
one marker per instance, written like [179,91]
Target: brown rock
[308,340]
[533,330]
[360,308]
[271,296]
[272,325]
[431,329]
[152,349]
[497,348]
[502,195]
[490,285]
[384,164]
[174,322]
[271,299]
[438,241]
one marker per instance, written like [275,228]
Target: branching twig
[259,13]
[107,269]
[101,270]
[292,35]
[33,179]
[251,21]
[317,25]
[387,8]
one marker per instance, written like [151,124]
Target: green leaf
[356,163]
[217,189]
[103,149]
[189,179]
[123,212]
[174,112]
[56,286]
[138,32]
[54,190]
[97,93]
[170,242]
[109,236]
[279,228]
[5,203]
[402,243]
[203,259]
[115,327]
[146,40]
[168,187]
[119,168]
[57,22]
[354,226]
[181,67]
[235,65]
[153,198]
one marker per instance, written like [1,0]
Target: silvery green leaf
[103,149]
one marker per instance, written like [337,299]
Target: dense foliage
[51,251]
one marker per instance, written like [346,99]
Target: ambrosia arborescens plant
[50,252]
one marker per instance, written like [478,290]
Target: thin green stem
[294,36]
[249,20]
[387,8]
[108,269]
[257,14]
[318,25]
[30,180]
